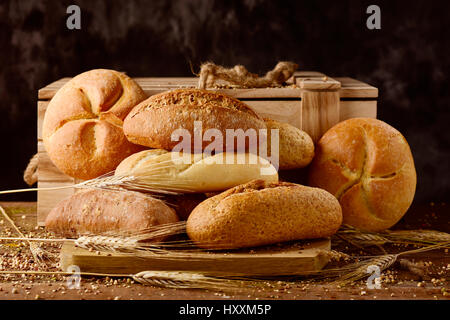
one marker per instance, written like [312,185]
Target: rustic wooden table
[404,284]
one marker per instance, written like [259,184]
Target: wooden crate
[313,103]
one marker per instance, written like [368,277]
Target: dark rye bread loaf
[260,213]
[152,122]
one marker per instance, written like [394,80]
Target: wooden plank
[320,105]
[260,262]
[49,176]
[47,200]
[320,112]
[47,171]
[350,88]
[315,83]
[280,110]
[308,74]
[357,109]
[42,107]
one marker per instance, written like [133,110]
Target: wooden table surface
[407,285]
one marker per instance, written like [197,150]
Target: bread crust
[82,128]
[152,122]
[99,211]
[296,148]
[260,213]
[369,167]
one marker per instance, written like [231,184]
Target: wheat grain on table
[399,283]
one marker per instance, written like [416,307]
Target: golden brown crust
[152,122]
[260,213]
[100,211]
[296,148]
[82,129]
[369,167]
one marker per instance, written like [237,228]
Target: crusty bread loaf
[296,148]
[196,172]
[99,211]
[260,213]
[82,128]
[152,122]
[368,166]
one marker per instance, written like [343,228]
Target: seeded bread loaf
[99,211]
[296,148]
[82,128]
[196,173]
[260,213]
[152,122]
[368,166]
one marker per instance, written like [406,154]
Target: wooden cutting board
[288,259]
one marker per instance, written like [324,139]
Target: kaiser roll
[82,129]
[368,166]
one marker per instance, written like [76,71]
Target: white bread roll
[197,173]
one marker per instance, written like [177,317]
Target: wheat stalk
[39,254]
[382,262]
[362,238]
[184,280]
[166,279]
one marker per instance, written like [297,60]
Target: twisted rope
[239,75]
[30,174]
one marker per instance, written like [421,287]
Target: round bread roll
[196,173]
[368,166]
[261,213]
[296,148]
[152,122]
[82,128]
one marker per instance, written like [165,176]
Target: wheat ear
[361,238]
[382,262]
[184,280]
[39,254]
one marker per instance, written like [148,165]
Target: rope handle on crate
[240,76]
[30,173]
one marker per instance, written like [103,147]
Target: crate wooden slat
[261,262]
[312,102]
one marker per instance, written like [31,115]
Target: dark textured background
[408,60]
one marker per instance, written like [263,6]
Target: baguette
[261,213]
[99,211]
[152,122]
[195,172]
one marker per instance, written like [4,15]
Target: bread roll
[99,211]
[261,213]
[153,121]
[196,173]
[82,128]
[296,148]
[368,166]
